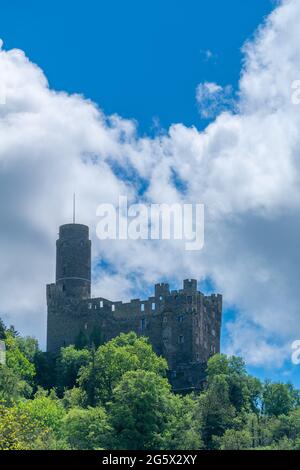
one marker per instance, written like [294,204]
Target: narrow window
[153,306]
[181,339]
[143,323]
[142,307]
[101,303]
[113,308]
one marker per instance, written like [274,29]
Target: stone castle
[182,325]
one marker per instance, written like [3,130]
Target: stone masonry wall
[184,326]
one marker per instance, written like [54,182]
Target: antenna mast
[74,207]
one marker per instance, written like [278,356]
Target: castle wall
[183,326]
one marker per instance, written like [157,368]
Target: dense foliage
[117,396]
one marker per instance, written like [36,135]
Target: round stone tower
[73,261]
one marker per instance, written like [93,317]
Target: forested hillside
[116,396]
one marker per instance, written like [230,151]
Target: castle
[182,325]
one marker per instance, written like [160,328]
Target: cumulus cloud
[212,99]
[244,167]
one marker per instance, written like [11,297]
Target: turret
[162,289]
[73,261]
[190,285]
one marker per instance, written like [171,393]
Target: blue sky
[143,60]
[140,59]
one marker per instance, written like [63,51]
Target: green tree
[17,360]
[216,411]
[234,439]
[279,398]
[18,431]
[217,365]
[286,426]
[44,410]
[12,331]
[183,429]
[2,330]
[258,427]
[87,428]
[11,386]
[244,390]
[28,347]
[75,398]
[109,363]
[45,366]
[140,409]
[69,363]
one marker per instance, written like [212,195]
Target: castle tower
[73,261]
[72,286]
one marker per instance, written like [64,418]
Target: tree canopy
[116,396]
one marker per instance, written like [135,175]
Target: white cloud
[213,99]
[208,55]
[244,167]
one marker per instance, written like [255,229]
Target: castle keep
[182,325]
